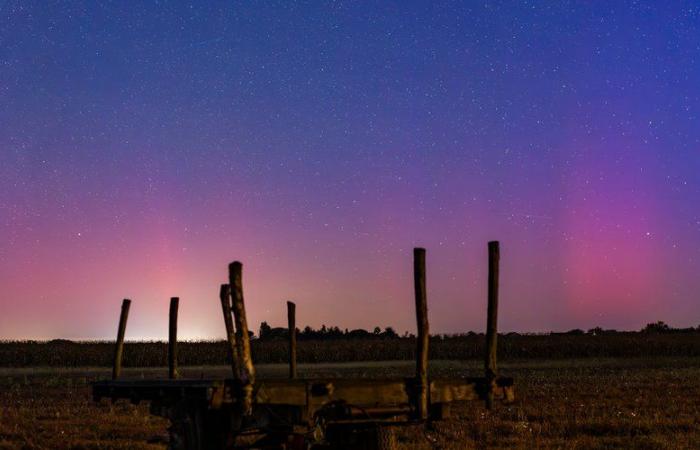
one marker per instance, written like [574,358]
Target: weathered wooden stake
[225,296]
[119,348]
[172,339]
[246,368]
[423,333]
[490,363]
[291,323]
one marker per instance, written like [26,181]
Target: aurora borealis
[145,146]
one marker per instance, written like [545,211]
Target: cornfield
[510,347]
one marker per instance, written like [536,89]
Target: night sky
[145,146]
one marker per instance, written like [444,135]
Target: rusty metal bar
[291,324]
[119,347]
[490,362]
[422,401]
[172,339]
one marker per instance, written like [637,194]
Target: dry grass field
[584,403]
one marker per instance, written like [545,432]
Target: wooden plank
[422,400]
[315,393]
[490,363]
[291,325]
[225,297]
[245,366]
[172,339]
[443,391]
[309,394]
[281,392]
[119,347]
[370,392]
[160,390]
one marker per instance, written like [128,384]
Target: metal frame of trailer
[245,412]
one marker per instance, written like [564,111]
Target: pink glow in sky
[140,155]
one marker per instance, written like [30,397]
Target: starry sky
[144,145]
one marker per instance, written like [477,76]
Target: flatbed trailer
[206,409]
[294,413]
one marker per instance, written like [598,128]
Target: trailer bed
[310,394]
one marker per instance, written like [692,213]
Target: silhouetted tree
[264,330]
[389,333]
[658,327]
[359,333]
[575,332]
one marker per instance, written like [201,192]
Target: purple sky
[145,146]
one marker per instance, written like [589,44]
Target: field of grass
[210,353]
[643,403]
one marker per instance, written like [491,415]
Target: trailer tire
[184,430]
[385,439]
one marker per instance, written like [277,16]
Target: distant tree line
[308,333]
[330,344]
[267,332]
[654,327]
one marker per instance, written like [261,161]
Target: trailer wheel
[377,437]
[184,430]
[385,438]
[193,427]
[364,437]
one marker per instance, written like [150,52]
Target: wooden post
[119,348]
[172,339]
[490,363]
[291,324]
[423,333]
[225,296]
[245,358]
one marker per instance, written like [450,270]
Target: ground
[643,403]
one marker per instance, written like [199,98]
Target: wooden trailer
[294,413]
